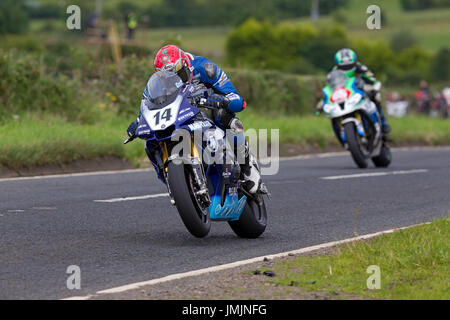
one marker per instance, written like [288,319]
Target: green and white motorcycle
[355,120]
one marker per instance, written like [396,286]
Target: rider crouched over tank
[213,89]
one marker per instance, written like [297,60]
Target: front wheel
[181,182]
[384,158]
[354,145]
[253,220]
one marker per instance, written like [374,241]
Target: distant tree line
[306,49]
[424,4]
[13,16]
[226,12]
[167,13]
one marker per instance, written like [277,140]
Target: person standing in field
[131,24]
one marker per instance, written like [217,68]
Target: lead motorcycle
[202,191]
[355,120]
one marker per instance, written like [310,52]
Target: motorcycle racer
[221,94]
[346,60]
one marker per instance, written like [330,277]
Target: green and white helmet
[345,59]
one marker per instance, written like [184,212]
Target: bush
[276,93]
[402,40]
[424,4]
[414,58]
[45,11]
[13,17]
[321,49]
[25,87]
[306,49]
[277,47]
[252,44]
[27,43]
[339,16]
[211,12]
[125,82]
[377,55]
[440,65]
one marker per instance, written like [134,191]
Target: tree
[402,40]
[440,65]
[13,17]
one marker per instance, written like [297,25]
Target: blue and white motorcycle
[202,190]
[355,120]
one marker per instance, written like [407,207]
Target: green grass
[317,130]
[414,264]
[33,140]
[293,129]
[420,130]
[206,41]
[431,27]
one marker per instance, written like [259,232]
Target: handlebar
[129,139]
[200,103]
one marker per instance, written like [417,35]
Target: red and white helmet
[172,58]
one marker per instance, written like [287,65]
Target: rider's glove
[368,88]
[319,106]
[131,131]
[216,101]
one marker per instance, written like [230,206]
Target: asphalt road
[49,224]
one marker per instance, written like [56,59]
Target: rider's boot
[251,174]
[385,127]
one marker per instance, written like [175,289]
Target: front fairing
[354,101]
[175,115]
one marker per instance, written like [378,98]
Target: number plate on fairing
[162,118]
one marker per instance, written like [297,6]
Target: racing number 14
[166,115]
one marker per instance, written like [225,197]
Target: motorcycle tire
[354,145]
[193,216]
[252,222]
[384,158]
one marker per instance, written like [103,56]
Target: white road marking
[148,196]
[344,153]
[374,174]
[80,174]
[300,157]
[193,273]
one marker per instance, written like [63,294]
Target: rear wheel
[354,145]
[195,218]
[252,221]
[384,158]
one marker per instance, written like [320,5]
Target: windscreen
[162,89]
[337,79]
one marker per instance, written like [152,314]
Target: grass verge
[49,140]
[32,141]
[307,130]
[414,264]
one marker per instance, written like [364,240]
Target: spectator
[423,98]
[396,105]
[446,95]
[436,105]
[130,23]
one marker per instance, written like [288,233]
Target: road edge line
[299,157]
[178,276]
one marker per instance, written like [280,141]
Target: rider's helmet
[346,60]
[172,58]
